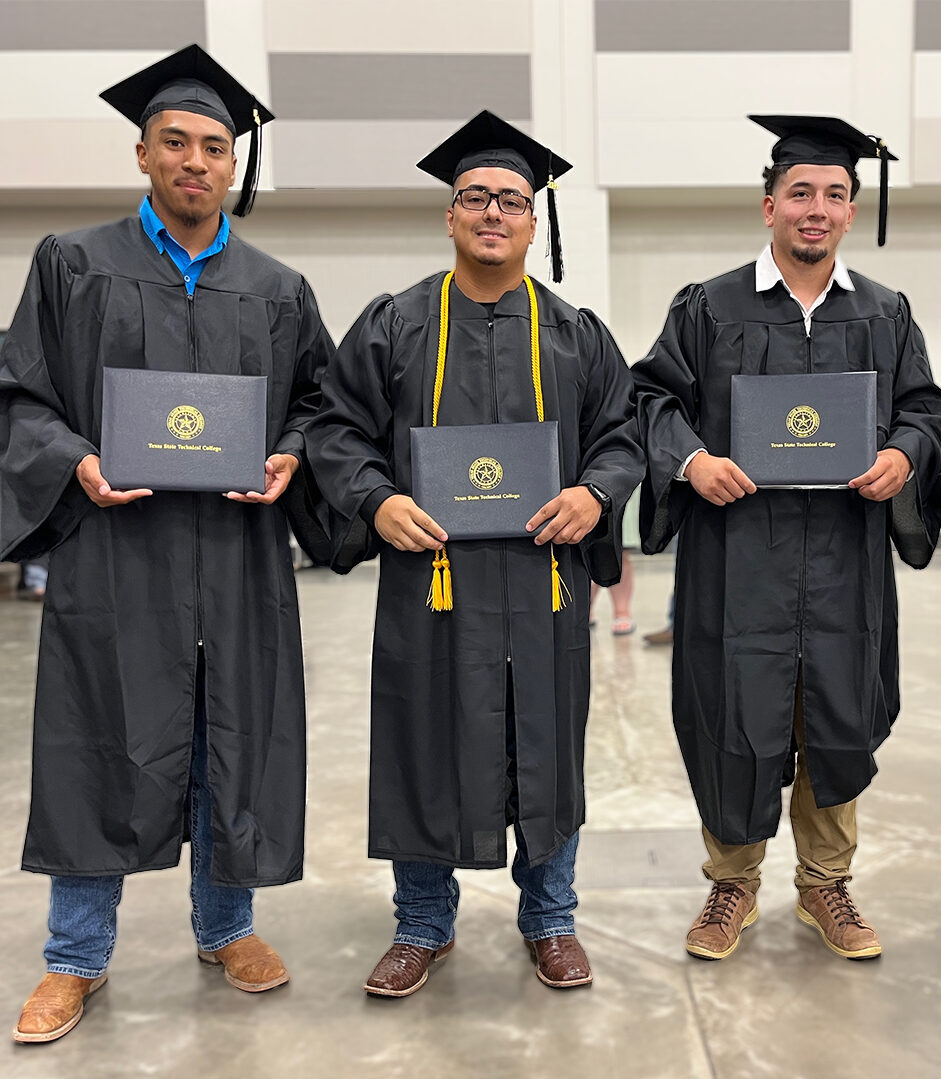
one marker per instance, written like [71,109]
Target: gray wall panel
[722,25]
[101,25]
[928,25]
[396,86]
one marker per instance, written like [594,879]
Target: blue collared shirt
[163,241]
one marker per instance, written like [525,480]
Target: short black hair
[775,172]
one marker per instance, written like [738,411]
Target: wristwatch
[602,498]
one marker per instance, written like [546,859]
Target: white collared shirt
[767,275]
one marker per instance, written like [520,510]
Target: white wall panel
[682,86]
[67,153]
[686,153]
[418,26]
[59,85]
[926,75]
[356,153]
[927,140]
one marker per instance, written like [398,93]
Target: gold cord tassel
[440,597]
[558,585]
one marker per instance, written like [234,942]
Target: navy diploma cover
[804,430]
[183,431]
[485,481]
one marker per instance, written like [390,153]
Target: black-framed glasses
[477,199]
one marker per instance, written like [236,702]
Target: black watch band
[603,499]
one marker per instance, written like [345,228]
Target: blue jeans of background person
[83,910]
[35,576]
[426,898]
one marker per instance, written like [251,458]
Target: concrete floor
[781,1006]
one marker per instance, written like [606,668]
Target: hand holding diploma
[404,524]
[279,468]
[88,474]
[718,479]
[886,477]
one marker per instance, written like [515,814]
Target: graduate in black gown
[786,622]
[479,712]
[170,689]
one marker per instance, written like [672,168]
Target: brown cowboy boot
[832,912]
[729,909]
[403,970]
[560,961]
[249,963]
[56,1005]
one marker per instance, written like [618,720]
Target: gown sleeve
[350,443]
[916,431]
[667,386]
[611,456]
[41,501]
[307,513]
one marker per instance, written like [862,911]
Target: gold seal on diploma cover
[803,421]
[485,473]
[186,422]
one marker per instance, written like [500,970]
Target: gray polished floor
[781,1006]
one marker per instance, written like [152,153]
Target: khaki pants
[825,838]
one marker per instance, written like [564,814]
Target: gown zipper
[197,553]
[802,593]
[495,418]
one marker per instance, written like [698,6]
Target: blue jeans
[35,576]
[83,910]
[426,898]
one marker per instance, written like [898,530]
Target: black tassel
[883,190]
[555,240]
[252,172]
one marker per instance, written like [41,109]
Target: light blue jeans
[426,898]
[83,910]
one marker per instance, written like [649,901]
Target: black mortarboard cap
[486,141]
[827,140]
[191,81]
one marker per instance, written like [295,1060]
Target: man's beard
[809,255]
[487,259]
[191,220]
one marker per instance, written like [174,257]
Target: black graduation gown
[438,788]
[132,589]
[782,578]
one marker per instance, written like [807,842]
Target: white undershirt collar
[768,274]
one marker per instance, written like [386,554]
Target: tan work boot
[832,912]
[729,909]
[56,1005]
[249,963]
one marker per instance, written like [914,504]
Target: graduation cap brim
[133,96]
[819,140]
[487,132]
[828,140]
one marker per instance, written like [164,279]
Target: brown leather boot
[832,912]
[403,970]
[56,1005]
[560,961]
[249,963]
[729,909]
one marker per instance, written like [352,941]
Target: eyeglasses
[477,199]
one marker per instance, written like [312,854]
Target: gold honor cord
[440,594]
